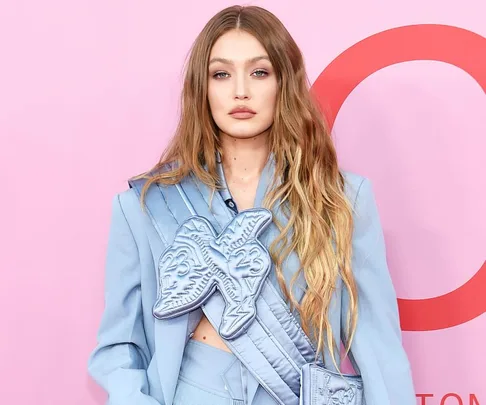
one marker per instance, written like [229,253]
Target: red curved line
[457,46]
[454,308]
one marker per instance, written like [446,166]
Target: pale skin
[245,77]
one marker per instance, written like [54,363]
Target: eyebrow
[230,62]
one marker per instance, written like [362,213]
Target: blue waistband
[210,368]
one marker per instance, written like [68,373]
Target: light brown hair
[311,184]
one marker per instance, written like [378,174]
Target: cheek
[211,98]
[216,101]
[269,91]
[268,99]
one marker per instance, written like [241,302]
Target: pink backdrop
[88,97]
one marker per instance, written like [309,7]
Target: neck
[244,159]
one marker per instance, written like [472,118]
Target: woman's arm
[377,345]
[120,359]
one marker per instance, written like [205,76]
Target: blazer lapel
[170,334]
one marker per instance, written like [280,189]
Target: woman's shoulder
[129,198]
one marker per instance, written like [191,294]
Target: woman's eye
[218,75]
[260,73]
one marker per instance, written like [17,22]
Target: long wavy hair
[310,182]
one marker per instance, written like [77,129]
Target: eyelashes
[220,75]
[265,73]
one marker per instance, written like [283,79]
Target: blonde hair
[305,162]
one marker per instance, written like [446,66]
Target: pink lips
[242,112]
[242,115]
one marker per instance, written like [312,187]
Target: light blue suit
[138,357]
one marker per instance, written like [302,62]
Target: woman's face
[240,75]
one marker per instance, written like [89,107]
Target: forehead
[238,46]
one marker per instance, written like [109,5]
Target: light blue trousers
[211,376]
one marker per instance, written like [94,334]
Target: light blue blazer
[137,358]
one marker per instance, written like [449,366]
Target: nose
[241,88]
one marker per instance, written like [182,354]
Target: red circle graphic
[453,45]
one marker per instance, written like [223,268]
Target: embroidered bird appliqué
[199,261]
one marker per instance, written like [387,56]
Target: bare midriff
[207,334]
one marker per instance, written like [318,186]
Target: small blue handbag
[320,386]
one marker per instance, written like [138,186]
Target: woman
[248,206]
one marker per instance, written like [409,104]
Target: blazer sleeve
[377,352]
[120,359]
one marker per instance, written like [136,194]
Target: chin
[243,134]
[243,130]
